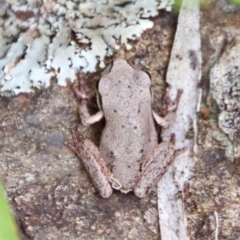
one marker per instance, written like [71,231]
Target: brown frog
[129,157]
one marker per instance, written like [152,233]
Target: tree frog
[129,157]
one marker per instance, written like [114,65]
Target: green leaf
[8,228]
[236,2]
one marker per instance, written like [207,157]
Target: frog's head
[124,87]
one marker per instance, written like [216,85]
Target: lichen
[224,86]
[42,39]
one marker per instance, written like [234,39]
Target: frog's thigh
[154,168]
[96,167]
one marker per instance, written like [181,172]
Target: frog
[129,157]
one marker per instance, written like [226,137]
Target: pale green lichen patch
[39,40]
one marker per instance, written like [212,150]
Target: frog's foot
[154,168]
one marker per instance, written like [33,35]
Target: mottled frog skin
[129,157]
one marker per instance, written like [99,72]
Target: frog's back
[129,133]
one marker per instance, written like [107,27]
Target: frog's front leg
[83,98]
[154,168]
[171,107]
[95,165]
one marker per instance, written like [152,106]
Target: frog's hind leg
[154,168]
[94,164]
